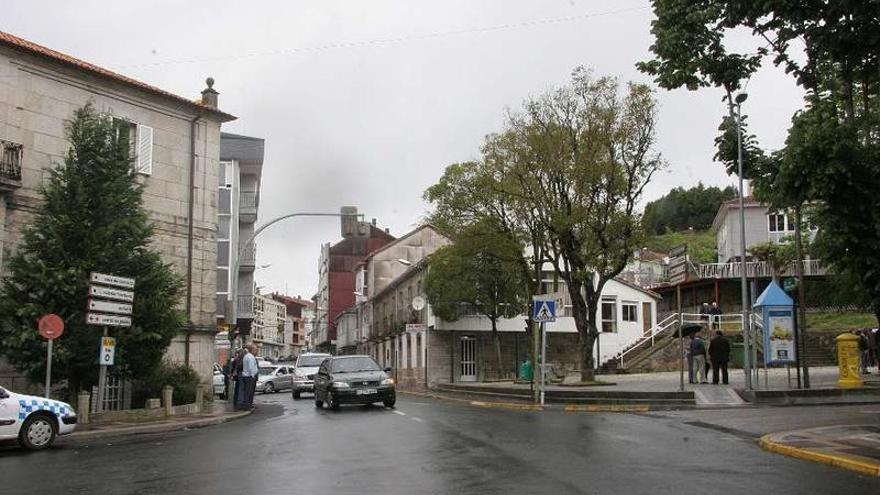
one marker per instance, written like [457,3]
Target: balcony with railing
[758,269]
[245,306]
[247,257]
[247,205]
[10,165]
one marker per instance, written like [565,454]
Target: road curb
[520,406]
[157,428]
[829,459]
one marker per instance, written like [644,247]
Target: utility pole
[801,310]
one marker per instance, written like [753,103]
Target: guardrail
[650,336]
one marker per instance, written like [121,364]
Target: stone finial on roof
[209,94]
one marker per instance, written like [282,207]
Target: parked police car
[34,421]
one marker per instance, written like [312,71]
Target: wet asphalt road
[425,446]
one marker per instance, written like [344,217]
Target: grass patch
[840,321]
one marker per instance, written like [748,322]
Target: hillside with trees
[683,209]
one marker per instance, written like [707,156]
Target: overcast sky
[366,102]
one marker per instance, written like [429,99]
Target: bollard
[167,394]
[848,361]
[83,400]
[200,397]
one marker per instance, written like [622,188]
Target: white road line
[417,419]
[399,413]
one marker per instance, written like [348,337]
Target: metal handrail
[659,328]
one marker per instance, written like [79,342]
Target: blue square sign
[544,311]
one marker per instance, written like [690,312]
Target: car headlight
[388,381]
[340,385]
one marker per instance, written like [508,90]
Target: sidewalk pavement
[218,414]
[852,447]
[707,395]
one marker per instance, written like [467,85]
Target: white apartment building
[267,330]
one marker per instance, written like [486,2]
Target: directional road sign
[543,311]
[108,320]
[109,307]
[115,281]
[108,293]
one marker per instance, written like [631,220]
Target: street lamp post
[740,98]
[232,296]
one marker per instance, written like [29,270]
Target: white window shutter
[144,149]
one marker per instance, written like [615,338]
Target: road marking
[399,413]
[417,419]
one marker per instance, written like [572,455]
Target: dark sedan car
[353,380]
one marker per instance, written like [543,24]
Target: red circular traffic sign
[51,326]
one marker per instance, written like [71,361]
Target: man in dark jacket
[719,354]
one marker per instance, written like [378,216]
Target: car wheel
[334,403]
[38,432]
[296,395]
[390,402]
[269,388]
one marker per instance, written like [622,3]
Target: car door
[284,382]
[8,415]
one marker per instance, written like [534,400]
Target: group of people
[243,371]
[869,354]
[700,357]
[712,314]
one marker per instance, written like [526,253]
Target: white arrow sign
[108,293]
[110,307]
[108,320]
[103,278]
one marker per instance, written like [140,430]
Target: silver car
[274,379]
[304,373]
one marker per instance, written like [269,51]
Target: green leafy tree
[481,273]
[91,218]
[578,160]
[830,160]
[683,209]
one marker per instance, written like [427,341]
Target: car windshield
[349,365]
[267,370]
[310,361]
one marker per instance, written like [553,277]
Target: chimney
[374,222]
[387,230]
[209,95]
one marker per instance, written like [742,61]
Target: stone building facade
[178,143]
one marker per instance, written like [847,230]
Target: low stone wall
[166,409]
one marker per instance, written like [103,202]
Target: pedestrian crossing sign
[544,311]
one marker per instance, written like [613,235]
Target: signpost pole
[49,369]
[543,360]
[102,379]
[680,342]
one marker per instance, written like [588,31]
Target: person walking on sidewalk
[719,353]
[248,379]
[715,315]
[690,359]
[698,351]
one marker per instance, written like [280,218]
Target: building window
[223,253]
[629,311]
[609,315]
[224,205]
[777,222]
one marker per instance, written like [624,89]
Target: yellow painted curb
[507,405]
[606,408]
[840,461]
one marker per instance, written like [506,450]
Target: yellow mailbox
[848,361]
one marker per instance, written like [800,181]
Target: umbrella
[690,329]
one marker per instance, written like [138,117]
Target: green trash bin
[525,371]
[736,354]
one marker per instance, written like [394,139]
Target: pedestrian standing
[248,378]
[698,351]
[863,350]
[872,346]
[715,315]
[690,359]
[704,313]
[719,354]
[236,379]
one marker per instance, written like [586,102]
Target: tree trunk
[496,339]
[582,317]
